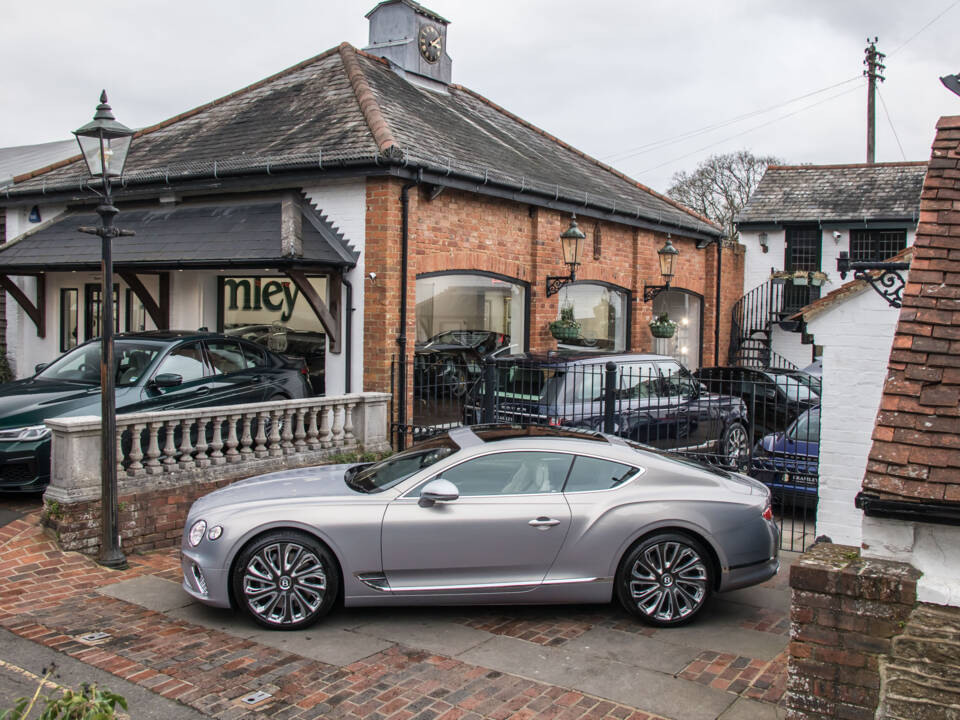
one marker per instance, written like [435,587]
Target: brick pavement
[50,597]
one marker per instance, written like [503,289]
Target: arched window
[685,308]
[472,301]
[602,312]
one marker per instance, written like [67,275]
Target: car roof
[581,358]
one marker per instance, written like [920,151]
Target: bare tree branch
[721,185]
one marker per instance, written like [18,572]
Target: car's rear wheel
[736,447]
[285,580]
[665,580]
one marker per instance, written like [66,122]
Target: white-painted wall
[345,205]
[789,345]
[757,265]
[931,549]
[856,335]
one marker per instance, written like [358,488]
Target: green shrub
[89,703]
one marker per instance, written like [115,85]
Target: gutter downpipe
[348,336]
[716,321]
[404,284]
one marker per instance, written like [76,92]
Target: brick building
[877,627]
[409,204]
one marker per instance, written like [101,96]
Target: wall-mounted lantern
[668,259]
[571,242]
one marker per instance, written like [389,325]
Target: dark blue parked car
[787,462]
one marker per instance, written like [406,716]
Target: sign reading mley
[254,294]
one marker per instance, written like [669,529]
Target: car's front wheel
[285,580]
[665,580]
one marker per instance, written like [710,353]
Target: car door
[694,420]
[501,534]
[233,382]
[187,361]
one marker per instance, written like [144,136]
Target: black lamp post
[571,242]
[104,143]
[668,259]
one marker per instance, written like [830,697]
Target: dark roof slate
[311,114]
[180,236]
[830,193]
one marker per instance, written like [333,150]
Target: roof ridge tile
[372,114]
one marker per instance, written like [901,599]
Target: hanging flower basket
[799,277]
[663,327]
[562,330]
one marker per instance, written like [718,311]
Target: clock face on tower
[430,43]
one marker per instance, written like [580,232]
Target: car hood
[31,401]
[323,481]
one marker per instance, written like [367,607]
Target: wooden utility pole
[875,68]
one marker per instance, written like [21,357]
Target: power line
[890,120]
[910,39]
[649,147]
[749,130]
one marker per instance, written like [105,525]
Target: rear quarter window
[590,474]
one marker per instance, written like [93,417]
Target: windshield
[807,427]
[799,387]
[385,474]
[82,364]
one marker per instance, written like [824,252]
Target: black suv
[656,401]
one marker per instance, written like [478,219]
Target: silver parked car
[492,514]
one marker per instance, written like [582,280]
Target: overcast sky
[614,79]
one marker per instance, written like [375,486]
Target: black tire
[665,580]
[735,447]
[285,580]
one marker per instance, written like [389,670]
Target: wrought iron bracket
[651,291]
[555,282]
[888,282]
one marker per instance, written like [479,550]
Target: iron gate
[764,423]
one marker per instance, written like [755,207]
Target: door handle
[202,390]
[543,522]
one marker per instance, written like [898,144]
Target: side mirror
[39,366]
[166,380]
[438,490]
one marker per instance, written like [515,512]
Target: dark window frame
[89,319]
[872,237]
[76,317]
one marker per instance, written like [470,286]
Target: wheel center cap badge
[284,583]
[667,580]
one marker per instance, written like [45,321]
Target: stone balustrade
[166,458]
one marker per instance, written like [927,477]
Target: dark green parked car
[159,370]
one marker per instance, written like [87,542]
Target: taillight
[556,421]
[768,511]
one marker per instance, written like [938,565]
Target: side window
[636,381]
[677,382]
[186,361]
[253,356]
[515,473]
[595,474]
[226,356]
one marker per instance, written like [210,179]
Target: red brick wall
[464,231]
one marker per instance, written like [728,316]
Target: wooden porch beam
[329,320]
[149,304]
[36,312]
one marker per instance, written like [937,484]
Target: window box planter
[799,277]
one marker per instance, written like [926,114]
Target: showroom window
[686,310]
[601,313]
[478,302]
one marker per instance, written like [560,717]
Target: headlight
[34,432]
[197,531]
[215,532]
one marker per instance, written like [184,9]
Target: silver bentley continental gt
[489,514]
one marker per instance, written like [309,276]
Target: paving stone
[627,684]
[327,644]
[150,592]
[635,650]
[443,638]
[744,709]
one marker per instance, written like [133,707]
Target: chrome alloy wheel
[736,447]
[284,583]
[668,581]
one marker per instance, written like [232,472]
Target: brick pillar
[846,612]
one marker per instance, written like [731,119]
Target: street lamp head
[571,240]
[104,142]
[668,256]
